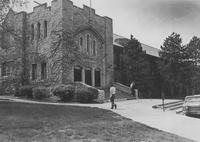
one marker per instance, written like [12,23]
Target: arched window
[88,43]
[38,30]
[94,47]
[32,31]
[81,43]
[45,29]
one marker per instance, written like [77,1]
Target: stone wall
[63,17]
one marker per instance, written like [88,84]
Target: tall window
[94,47]
[88,76]
[6,70]
[45,29]
[81,43]
[34,71]
[97,78]
[43,71]
[77,74]
[88,43]
[38,30]
[32,31]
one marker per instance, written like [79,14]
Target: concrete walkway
[142,112]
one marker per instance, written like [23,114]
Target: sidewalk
[143,112]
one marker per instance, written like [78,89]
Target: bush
[26,91]
[64,92]
[40,93]
[87,94]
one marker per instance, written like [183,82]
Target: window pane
[45,28]
[88,43]
[97,78]
[34,71]
[77,74]
[6,69]
[88,77]
[32,31]
[3,69]
[94,47]
[43,71]
[38,30]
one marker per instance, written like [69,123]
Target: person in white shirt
[132,87]
[112,96]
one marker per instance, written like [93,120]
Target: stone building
[62,26]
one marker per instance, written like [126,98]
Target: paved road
[142,111]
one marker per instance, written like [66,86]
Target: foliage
[26,91]
[9,86]
[176,67]
[86,94]
[40,93]
[137,66]
[6,5]
[64,92]
[193,50]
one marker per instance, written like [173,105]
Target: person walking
[132,87]
[112,96]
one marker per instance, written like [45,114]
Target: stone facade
[44,28]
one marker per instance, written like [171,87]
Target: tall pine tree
[175,66]
[136,66]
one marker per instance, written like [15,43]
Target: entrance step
[122,92]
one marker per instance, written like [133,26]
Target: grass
[47,123]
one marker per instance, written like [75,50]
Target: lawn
[47,123]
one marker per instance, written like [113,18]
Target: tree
[136,66]
[175,66]
[10,40]
[193,49]
[6,5]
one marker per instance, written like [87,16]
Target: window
[6,69]
[94,47]
[88,43]
[32,31]
[38,31]
[43,71]
[34,71]
[97,78]
[45,29]
[88,76]
[81,43]
[77,74]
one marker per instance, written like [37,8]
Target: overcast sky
[150,21]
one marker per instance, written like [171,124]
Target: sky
[149,21]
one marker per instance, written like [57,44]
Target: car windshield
[193,99]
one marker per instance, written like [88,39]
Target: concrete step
[170,106]
[171,103]
[176,107]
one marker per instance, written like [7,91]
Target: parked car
[191,105]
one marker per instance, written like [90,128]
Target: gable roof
[148,49]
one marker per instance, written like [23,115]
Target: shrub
[26,91]
[40,93]
[87,94]
[64,92]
